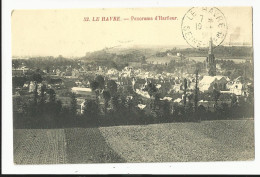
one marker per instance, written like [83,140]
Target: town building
[87,92]
[20,71]
[209,83]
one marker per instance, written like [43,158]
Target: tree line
[115,106]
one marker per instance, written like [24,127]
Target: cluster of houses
[137,78]
[20,71]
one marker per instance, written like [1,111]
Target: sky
[64,32]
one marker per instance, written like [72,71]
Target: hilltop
[138,52]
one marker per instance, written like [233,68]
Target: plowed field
[173,142]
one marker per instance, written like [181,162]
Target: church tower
[210,61]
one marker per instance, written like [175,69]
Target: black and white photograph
[163,88]
[132,85]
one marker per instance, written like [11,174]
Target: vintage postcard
[127,85]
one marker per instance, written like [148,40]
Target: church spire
[210,46]
[210,61]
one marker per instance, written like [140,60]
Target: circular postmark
[201,24]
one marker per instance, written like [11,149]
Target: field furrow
[173,142]
[170,142]
[87,145]
[39,146]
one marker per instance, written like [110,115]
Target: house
[158,86]
[26,84]
[178,100]
[208,83]
[68,71]
[78,83]
[141,106]
[127,71]
[237,89]
[83,91]
[20,71]
[142,93]
[166,98]
[139,83]
[75,73]
[192,85]
[58,72]
[32,86]
[237,86]
[177,88]
[82,105]
[112,72]
[80,90]
[17,93]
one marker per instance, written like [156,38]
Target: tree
[101,81]
[73,104]
[185,91]
[196,99]
[190,97]
[18,81]
[154,101]
[178,112]
[107,97]
[233,101]
[202,112]
[58,107]
[115,103]
[250,100]
[16,64]
[94,85]
[250,97]
[65,117]
[215,96]
[112,87]
[189,111]
[166,109]
[37,78]
[143,59]
[47,69]
[131,106]
[42,94]
[236,73]
[151,89]
[223,111]
[52,95]
[50,117]
[91,111]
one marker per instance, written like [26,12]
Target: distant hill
[237,52]
[136,53]
[139,51]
